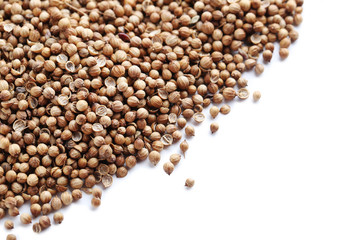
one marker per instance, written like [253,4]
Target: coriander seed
[175,158]
[214,111]
[190,131]
[25,218]
[96,202]
[168,167]
[189,182]
[225,109]
[154,157]
[256,96]
[10,237]
[58,217]
[44,222]
[97,193]
[8,224]
[184,146]
[214,127]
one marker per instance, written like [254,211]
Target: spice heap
[89,88]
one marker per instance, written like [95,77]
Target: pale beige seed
[256,96]
[189,182]
[175,158]
[214,111]
[190,131]
[225,109]
[58,217]
[168,167]
[25,218]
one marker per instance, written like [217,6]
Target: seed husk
[243,93]
[199,117]
[167,139]
[37,227]
[107,180]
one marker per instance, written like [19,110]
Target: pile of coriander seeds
[90,88]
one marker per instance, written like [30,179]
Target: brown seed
[37,227]
[175,158]
[214,127]
[25,218]
[184,146]
[190,131]
[97,193]
[154,157]
[44,222]
[10,237]
[8,224]
[189,182]
[214,111]
[58,217]
[168,167]
[225,109]
[95,202]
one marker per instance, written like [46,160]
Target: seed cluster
[90,88]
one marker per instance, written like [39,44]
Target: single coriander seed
[190,131]
[189,182]
[154,157]
[97,193]
[10,237]
[214,127]
[44,222]
[8,224]
[184,146]
[175,158]
[58,217]
[168,167]
[95,202]
[25,218]
[256,96]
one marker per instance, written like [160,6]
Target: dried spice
[90,88]
[189,182]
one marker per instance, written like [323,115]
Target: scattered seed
[175,158]
[214,127]
[189,182]
[190,131]
[256,96]
[184,146]
[214,111]
[168,167]
[225,109]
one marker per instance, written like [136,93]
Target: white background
[285,168]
